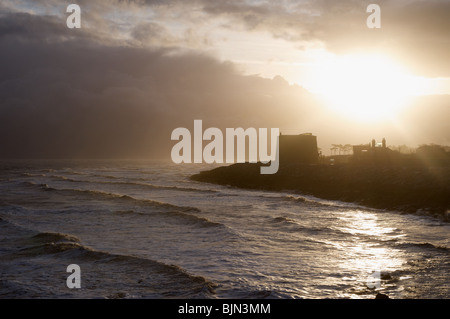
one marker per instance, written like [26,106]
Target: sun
[363,87]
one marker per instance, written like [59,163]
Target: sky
[136,70]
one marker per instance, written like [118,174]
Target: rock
[385,276]
[381,296]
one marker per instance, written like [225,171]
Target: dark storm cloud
[149,31]
[62,95]
[23,25]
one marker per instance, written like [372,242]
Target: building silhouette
[301,148]
[372,151]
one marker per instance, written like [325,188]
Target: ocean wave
[422,246]
[68,246]
[184,213]
[127,198]
[320,202]
[145,185]
[111,196]
[298,199]
[33,175]
[41,186]
[282,219]
[188,218]
[50,248]
[295,198]
[47,170]
[48,243]
[301,199]
[55,237]
[71,172]
[66,179]
[294,226]
[205,222]
[107,176]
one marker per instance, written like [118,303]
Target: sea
[144,229]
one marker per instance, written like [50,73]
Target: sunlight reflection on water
[361,251]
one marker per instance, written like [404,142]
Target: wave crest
[168,279]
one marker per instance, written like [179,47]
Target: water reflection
[365,252]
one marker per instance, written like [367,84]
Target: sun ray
[364,87]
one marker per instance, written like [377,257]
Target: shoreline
[411,190]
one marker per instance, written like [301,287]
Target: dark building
[362,150]
[372,152]
[372,148]
[300,148]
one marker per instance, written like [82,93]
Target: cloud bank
[90,93]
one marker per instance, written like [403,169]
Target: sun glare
[366,88]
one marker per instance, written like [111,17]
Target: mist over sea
[145,230]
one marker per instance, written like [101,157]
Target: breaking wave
[421,246]
[66,246]
[112,196]
[184,213]
[144,185]
[294,226]
[186,217]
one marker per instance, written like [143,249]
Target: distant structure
[361,152]
[300,148]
